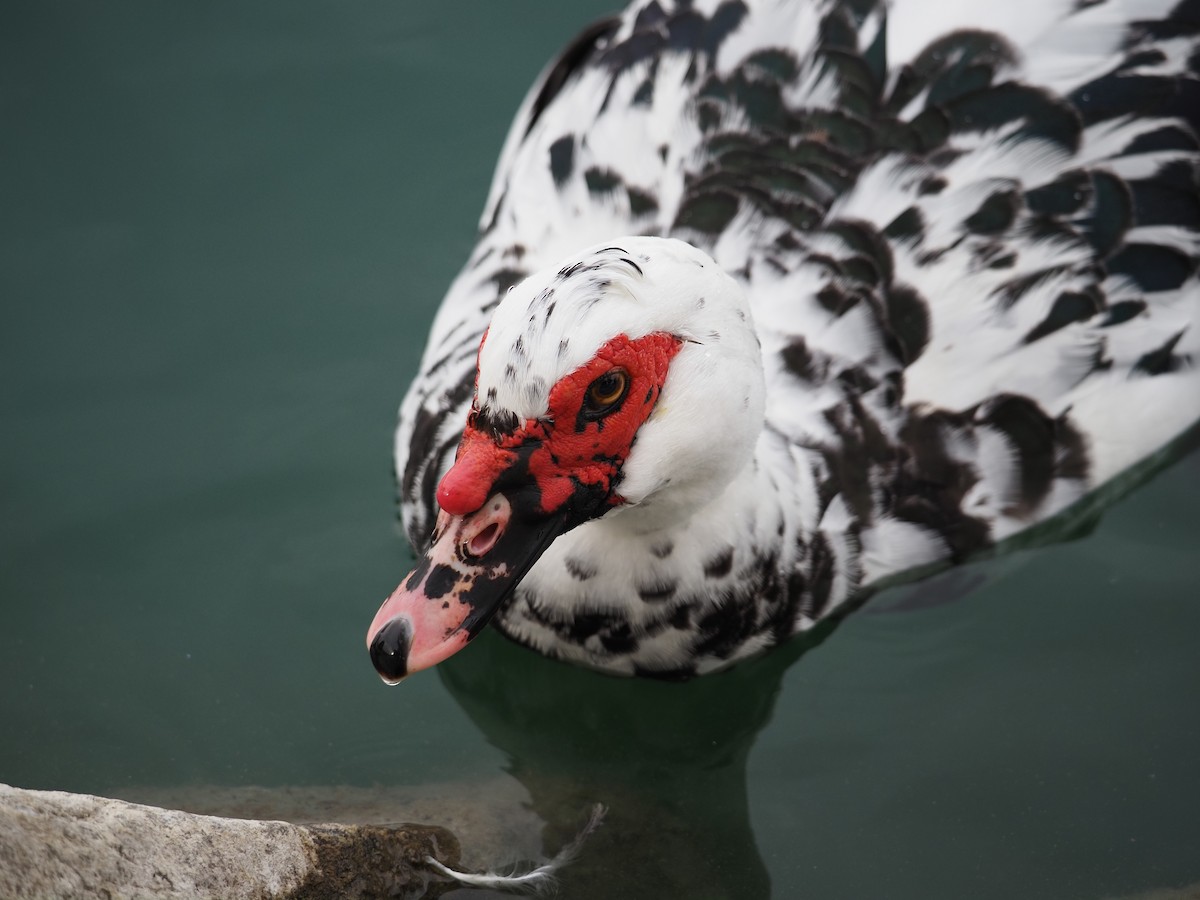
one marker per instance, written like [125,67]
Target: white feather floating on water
[538,880]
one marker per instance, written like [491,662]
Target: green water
[224,229]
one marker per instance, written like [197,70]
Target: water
[224,233]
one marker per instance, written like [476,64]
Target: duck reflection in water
[668,760]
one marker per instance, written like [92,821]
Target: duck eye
[605,393]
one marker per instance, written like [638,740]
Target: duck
[775,302]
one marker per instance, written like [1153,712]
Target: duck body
[878,289]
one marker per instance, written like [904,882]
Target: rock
[55,844]
[492,817]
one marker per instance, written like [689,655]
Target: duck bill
[472,566]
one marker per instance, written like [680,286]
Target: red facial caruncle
[580,444]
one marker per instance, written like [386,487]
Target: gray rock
[492,817]
[55,844]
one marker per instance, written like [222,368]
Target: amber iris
[606,392]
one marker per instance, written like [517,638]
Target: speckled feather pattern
[968,243]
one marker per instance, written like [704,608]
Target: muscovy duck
[775,300]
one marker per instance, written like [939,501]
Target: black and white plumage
[962,294]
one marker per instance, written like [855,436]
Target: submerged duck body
[773,301]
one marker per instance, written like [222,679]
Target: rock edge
[56,844]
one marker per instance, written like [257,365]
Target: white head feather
[710,412]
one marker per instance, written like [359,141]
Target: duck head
[626,380]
